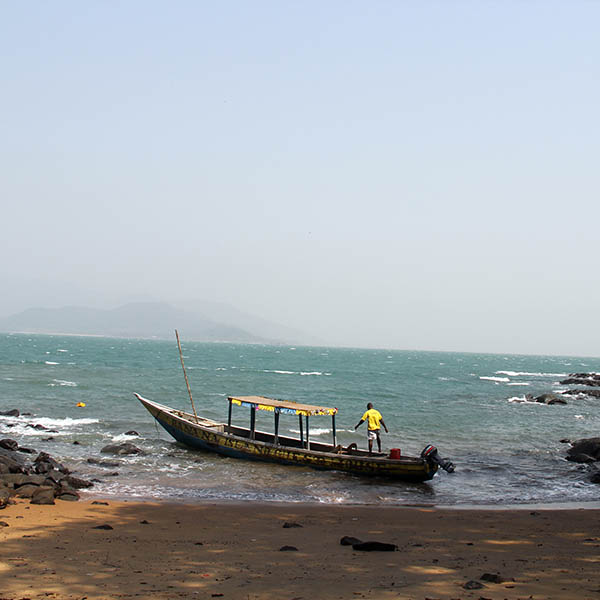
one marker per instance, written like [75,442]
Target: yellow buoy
[81,404]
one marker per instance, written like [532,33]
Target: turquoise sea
[471,406]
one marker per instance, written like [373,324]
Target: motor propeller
[430,453]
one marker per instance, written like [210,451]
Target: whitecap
[123,437]
[527,374]
[62,350]
[522,400]
[62,383]
[49,362]
[518,383]
[315,431]
[280,372]
[66,422]
[496,379]
[314,373]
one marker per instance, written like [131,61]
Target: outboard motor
[431,454]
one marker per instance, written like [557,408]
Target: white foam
[314,373]
[49,362]
[62,350]
[280,372]
[527,374]
[62,383]
[123,437]
[315,431]
[66,422]
[517,383]
[523,400]
[496,379]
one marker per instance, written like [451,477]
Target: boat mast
[185,375]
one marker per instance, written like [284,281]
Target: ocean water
[471,406]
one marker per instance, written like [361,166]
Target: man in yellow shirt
[373,418]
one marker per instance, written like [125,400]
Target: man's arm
[359,424]
[384,426]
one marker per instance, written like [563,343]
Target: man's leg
[378,440]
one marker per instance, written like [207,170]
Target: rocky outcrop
[580,392]
[43,480]
[591,379]
[546,399]
[584,451]
[121,449]
[10,413]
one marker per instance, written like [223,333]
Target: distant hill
[141,319]
[225,313]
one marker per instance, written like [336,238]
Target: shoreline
[557,506]
[101,549]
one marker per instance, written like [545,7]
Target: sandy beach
[98,549]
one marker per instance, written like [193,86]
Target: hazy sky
[392,174]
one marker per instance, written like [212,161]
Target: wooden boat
[249,443]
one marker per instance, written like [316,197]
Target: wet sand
[232,551]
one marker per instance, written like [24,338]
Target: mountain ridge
[136,319]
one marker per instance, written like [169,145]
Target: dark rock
[12,461]
[48,439]
[26,491]
[374,547]
[288,549]
[550,399]
[473,585]
[76,443]
[22,479]
[595,477]
[349,541]
[9,444]
[589,447]
[43,495]
[69,496]
[578,392]
[121,449]
[132,432]
[144,522]
[4,524]
[44,463]
[565,441]
[11,413]
[38,427]
[26,450]
[76,482]
[107,527]
[289,525]
[581,458]
[591,379]
[492,578]
[4,497]
[100,502]
[13,480]
[104,463]
[4,468]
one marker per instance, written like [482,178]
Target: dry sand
[233,551]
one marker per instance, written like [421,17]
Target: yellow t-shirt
[373,417]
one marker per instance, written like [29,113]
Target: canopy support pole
[307,435]
[334,433]
[252,422]
[301,432]
[229,415]
[276,426]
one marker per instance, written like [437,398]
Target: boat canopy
[286,407]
